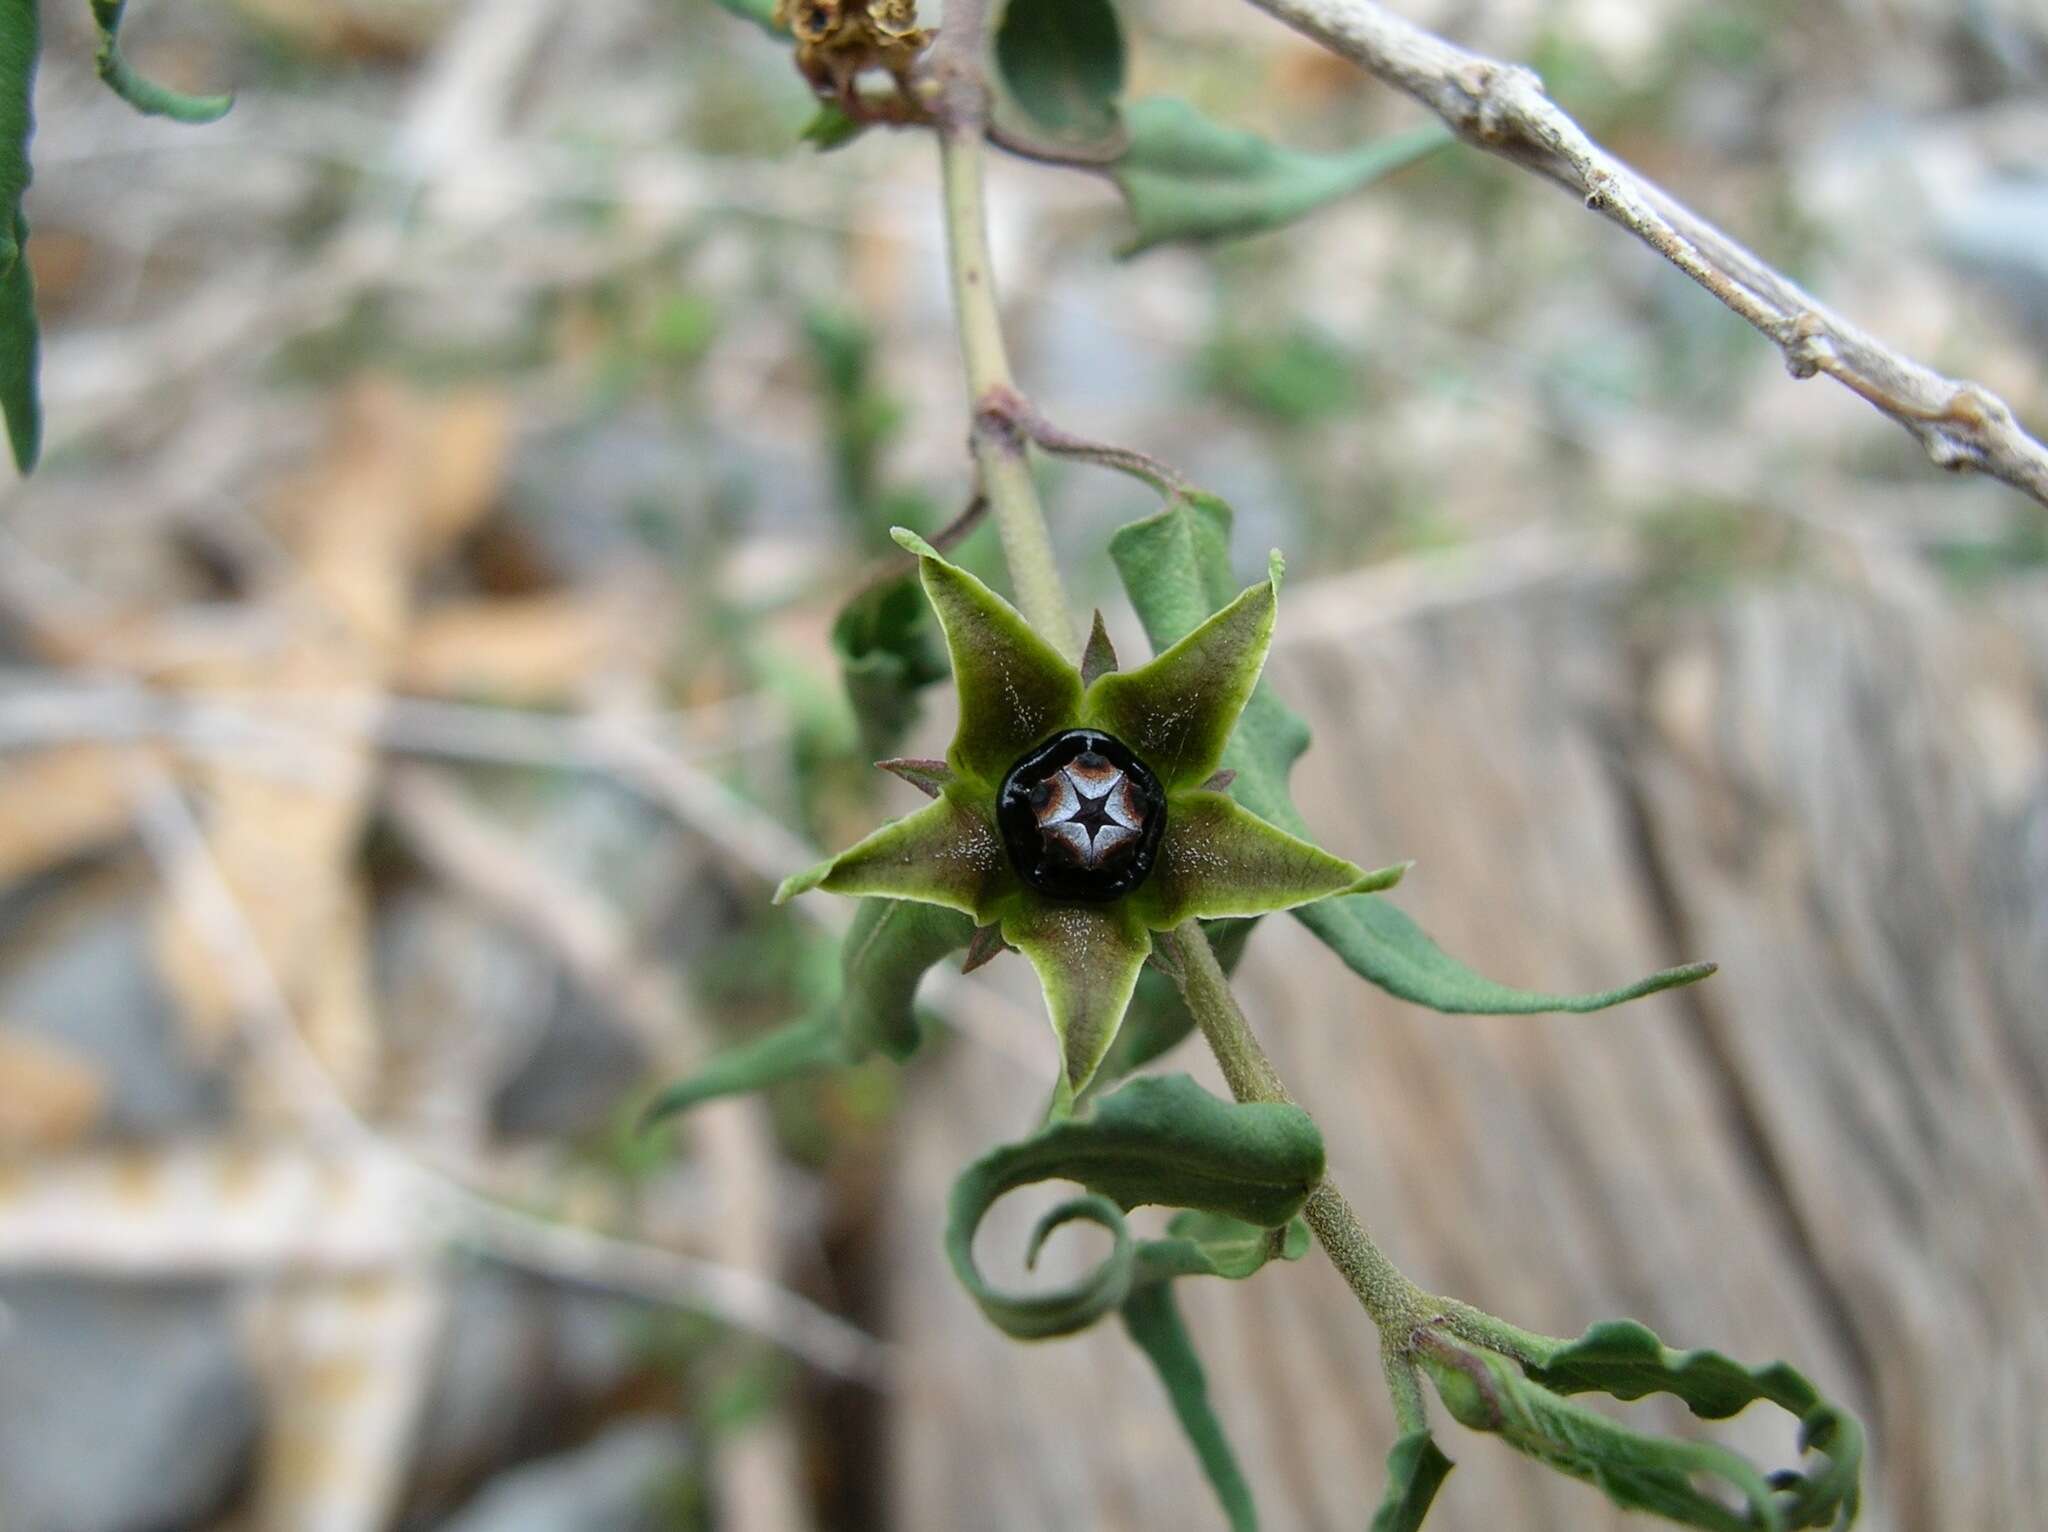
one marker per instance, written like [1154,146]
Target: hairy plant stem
[955,85]
[999,447]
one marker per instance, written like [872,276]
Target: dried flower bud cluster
[839,40]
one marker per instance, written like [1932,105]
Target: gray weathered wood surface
[1833,1152]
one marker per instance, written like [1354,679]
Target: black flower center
[1081,817]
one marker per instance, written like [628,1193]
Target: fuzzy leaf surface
[1185,176]
[889,948]
[1627,1361]
[1014,687]
[1156,1141]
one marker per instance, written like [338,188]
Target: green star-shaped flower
[1076,817]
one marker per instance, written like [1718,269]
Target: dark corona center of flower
[1081,817]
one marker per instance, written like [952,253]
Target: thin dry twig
[561,1251]
[1503,109]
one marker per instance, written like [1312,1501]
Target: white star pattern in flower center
[1088,810]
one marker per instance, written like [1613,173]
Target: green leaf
[1157,1019]
[1176,567]
[1682,1481]
[945,854]
[1153,1320]
[1165,1141]
[808,1046]
[1416,1470]
[1627,1360]
[1087,957]
[760,12]
[889,651]
[146,96]
[1201,1244]
[1177,711]
[1380,943]
[1061,63]
[888,949]
[1186,177]
[20,335]
[1217,858]
[1014,687]
[830,128]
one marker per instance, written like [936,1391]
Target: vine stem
[960,108]
[956,92]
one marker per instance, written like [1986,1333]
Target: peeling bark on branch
[1504,109]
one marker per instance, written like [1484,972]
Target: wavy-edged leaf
[20,334]
[1177,711]
[1627,1361]
[1061,64]
[1165,1141]
[1416,1470]
[1187,177]
[1688,1482]
[1176,567]
[1014,687]
[1087,957]
[1218,858]
[946,854]
[145,95]
[889,652]
[1157,1019]
[1378,942]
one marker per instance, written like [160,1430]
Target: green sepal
[1416,1470]
[1177,711]
[1626,1360]
[1157,1019]
[1087,957]
[1378,942]
[20,333]
[1014,687]
[1187,177]
[946,853]
[146,96]
[1159,1141]
[1219,859]
[889,652]
[1176,567]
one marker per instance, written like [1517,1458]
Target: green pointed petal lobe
[1014,687]
[1087,957]
[1218,858]
[1177,711]
[946,854]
